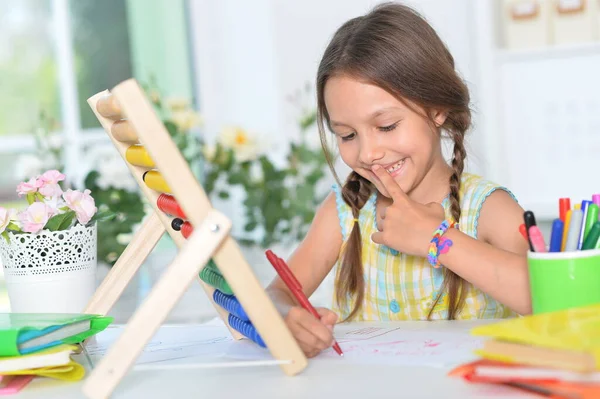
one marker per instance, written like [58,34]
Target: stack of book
[553,354]
[41,345]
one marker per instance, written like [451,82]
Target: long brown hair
[394,48]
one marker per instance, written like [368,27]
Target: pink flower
[31,186]
[35,217]
[50,187]
[82,203]
[52,176]
[5,218]
[55,203]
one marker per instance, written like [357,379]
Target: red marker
[295,288]
[523,231]
[564,204]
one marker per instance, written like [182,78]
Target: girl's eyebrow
[334,123]
[373,115]
[384,110]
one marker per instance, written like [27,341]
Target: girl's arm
[496,262]
[314,258]
[310,263]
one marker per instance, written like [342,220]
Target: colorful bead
[439,245]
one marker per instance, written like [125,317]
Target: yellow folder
[574,330]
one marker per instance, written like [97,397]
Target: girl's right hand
[312,335]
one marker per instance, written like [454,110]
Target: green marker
[593,239]
[591,218]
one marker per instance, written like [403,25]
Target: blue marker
[556,235]
[584,211]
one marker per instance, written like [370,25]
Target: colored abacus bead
[137,155]
[155,181]
[186,229]
[212,277]
[230,304]
[168,204]
[246,329]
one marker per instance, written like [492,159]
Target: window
[54,54]
[101,49]
[29,81]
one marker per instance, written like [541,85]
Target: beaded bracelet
[438,244]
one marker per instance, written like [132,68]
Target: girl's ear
[439,116]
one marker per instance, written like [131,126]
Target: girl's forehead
[351,95]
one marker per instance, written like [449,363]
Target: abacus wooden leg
[113,285]
[201,246]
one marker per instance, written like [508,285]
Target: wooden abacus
[206,252]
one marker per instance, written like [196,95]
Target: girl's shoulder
[346,217]
[474,191]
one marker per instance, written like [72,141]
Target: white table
[321,379]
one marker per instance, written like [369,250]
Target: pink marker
[596,199]
[537,239]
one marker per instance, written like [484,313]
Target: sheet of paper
[376,345]
[173,344]
[396,346]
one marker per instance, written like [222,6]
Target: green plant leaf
[61,221]
[13,227]
[250,226]
[102,216]
[245,242]
[171,128]
[5,235]
[30,198]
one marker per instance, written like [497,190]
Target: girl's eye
[348,137]
[388,128]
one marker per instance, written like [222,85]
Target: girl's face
[372,127]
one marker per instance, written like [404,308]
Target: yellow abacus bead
[156,182]
[137,155]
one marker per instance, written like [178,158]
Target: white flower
[55,141]
[177,103]
[186,119]
[124,239]
[256,172]
[28,165]
[154,96]
[209,151]
[113,172]
[245,146]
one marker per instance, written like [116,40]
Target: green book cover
[18,328]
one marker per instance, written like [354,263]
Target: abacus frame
[127,108]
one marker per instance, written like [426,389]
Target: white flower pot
[50,271]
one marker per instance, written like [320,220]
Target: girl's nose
[370,152]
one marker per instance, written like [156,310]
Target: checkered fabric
[403,287]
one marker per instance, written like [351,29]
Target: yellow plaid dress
[403,287]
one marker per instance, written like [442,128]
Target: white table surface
[321,379]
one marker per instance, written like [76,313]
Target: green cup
[563,280]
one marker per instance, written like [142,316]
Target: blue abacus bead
[246,329]
[230,304]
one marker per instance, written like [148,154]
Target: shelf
[549,52]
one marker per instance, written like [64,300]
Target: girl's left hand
[406,226]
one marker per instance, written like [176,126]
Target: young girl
[387,91]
